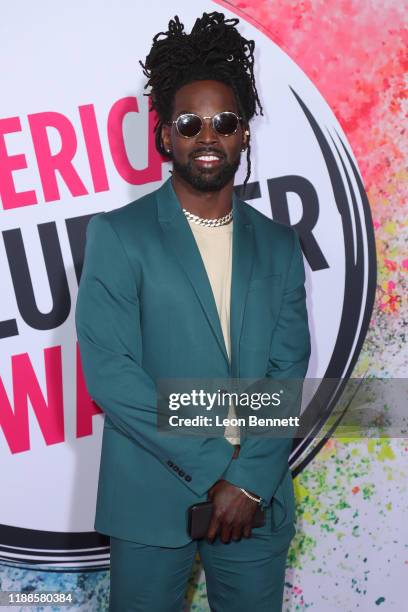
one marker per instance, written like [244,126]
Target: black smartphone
[199,518]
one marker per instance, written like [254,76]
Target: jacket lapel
[181,242]
[242,263]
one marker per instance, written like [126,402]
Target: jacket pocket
[265,282]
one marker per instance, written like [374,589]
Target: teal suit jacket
[145,311]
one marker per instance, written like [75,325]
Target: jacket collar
[181,241]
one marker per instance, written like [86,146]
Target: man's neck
[206,204]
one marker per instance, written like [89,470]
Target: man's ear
[245,139]
[165,136]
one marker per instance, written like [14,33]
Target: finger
[225,533]
[237,533]
[247,531]
[212,529]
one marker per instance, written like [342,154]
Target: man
[165,293]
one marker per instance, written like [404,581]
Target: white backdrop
[75,140]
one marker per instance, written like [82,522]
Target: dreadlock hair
[214,50]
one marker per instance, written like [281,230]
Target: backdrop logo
[86,146]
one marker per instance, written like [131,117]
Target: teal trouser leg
[148,578]
[240,576]
[249,574]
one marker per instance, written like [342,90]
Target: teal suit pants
[240,576]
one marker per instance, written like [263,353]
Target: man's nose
[207,133]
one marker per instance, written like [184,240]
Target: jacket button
[175,468]
[187,477]
[170,463]
[181,473]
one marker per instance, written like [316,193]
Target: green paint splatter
[368,491]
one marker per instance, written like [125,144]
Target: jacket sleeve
[107,319]
[263,461]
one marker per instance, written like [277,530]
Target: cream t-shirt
[215,246]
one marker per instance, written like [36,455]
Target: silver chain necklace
[208,222]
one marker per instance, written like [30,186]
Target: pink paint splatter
[355,51]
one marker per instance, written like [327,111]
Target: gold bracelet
[255,499]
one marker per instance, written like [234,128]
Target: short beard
[203,181]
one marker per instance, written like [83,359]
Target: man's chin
[208,183]
[206,180]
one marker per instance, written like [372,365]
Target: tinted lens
[226,123]
[188,125]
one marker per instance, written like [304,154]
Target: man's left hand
[233,512]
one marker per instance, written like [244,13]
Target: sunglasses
[189,124]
